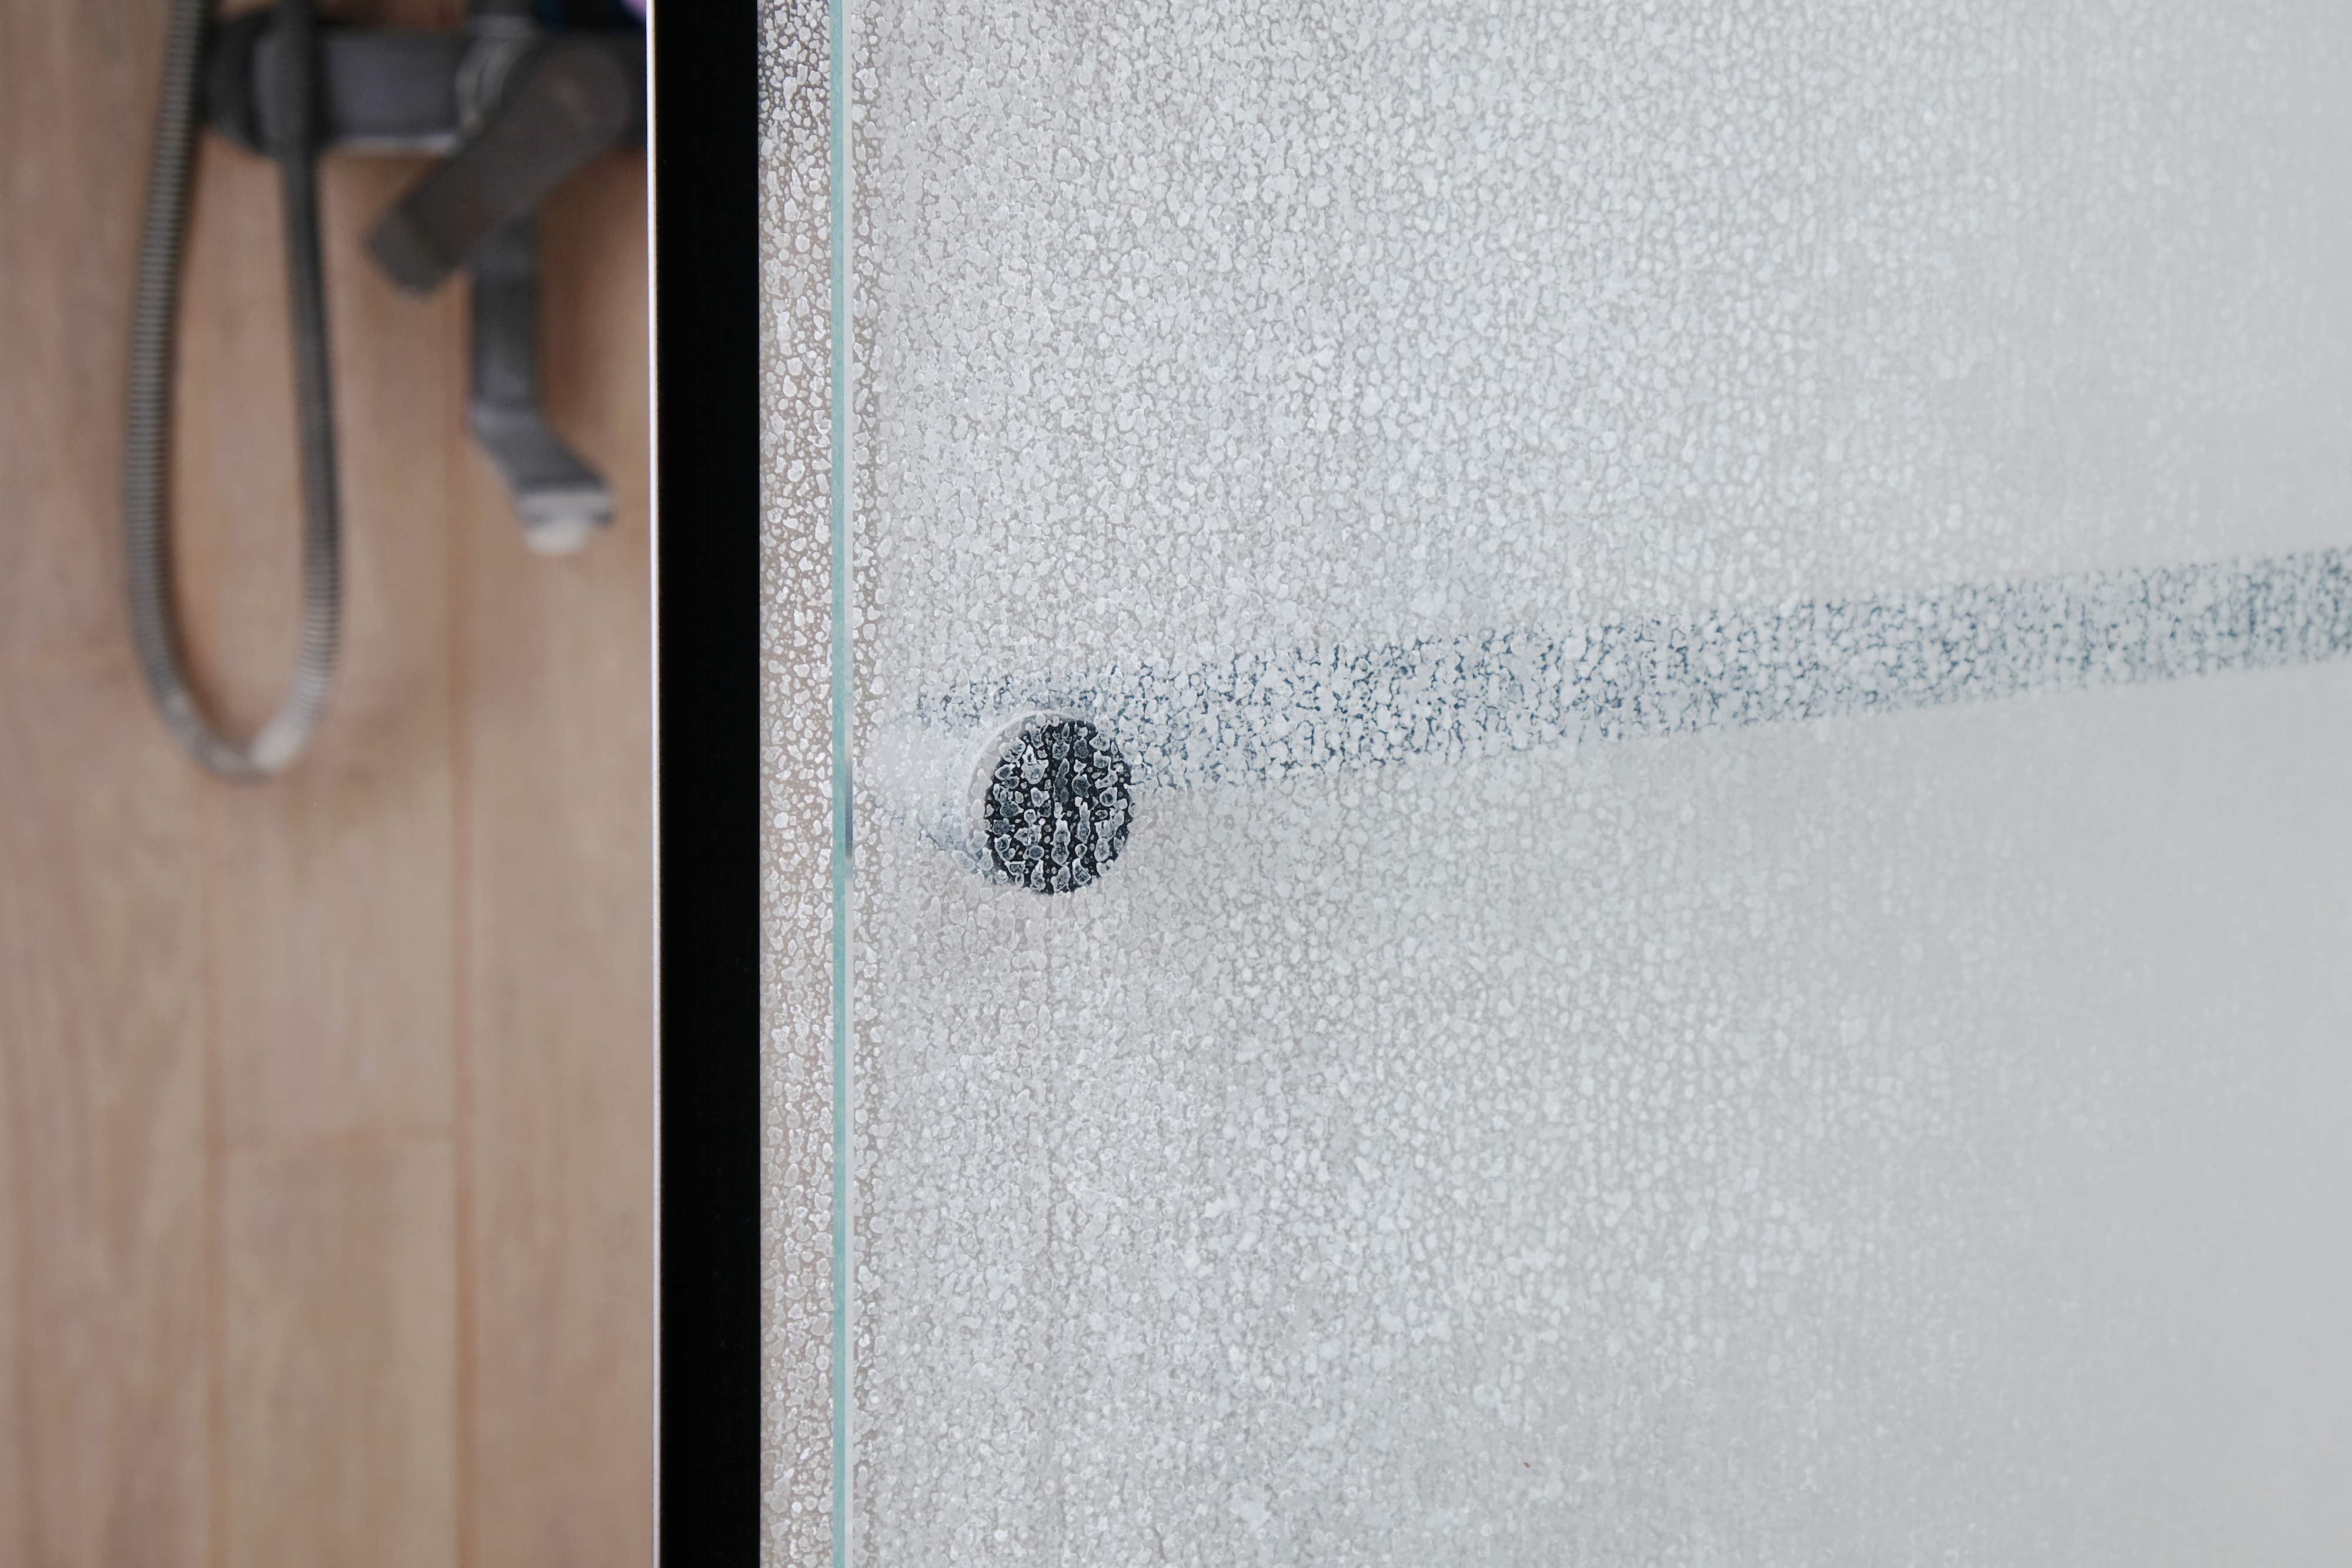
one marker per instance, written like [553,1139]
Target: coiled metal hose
[154,623]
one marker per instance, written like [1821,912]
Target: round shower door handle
[1041,799]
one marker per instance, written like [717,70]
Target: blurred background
[325,1190]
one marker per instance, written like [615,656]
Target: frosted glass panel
[1601,807]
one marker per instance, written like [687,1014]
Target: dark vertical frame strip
[705,153]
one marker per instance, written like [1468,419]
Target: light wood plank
[77,108]
[17,1339]
[332,887]
[340,1347]
[344,925]
[558,799]
[104,1441]
[104,1158]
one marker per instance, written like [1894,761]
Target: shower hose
[154,623]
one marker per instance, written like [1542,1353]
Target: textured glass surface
[1729,947]
[795,892]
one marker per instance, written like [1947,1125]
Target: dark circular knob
[1055,810]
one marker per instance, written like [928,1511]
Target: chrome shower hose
[146,465]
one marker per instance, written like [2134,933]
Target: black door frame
[704,60]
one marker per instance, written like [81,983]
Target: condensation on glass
[1728,936]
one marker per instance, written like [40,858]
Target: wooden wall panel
[332,889]
[77,93]
[15,1450]
[340,1352]
[104,1155]
[325,1105]
[104,1168]
[558,729]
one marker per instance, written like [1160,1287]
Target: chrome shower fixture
[514,107]
[516,101]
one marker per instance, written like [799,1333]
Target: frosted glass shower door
[1601,803]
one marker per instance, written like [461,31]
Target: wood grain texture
[105,1154]
[77,96]
[558,732]
[332,888]
[16,1448]
[339,1346]
[103,1163]
[325,1106]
